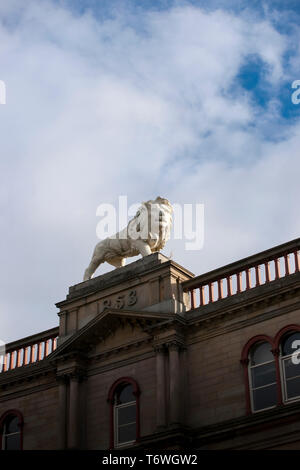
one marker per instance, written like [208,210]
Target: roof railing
[243,275]
[28,350]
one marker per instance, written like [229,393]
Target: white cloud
[138,106]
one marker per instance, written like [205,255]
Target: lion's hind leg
[88,273]
[97,258]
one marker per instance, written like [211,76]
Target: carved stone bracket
[160,348]
[62,379]
[175,345]
[77,373]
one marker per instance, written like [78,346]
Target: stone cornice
[143,266]
[58,358]
[95,369]
[103,325]
[25,373]
[246,424]
[215,325]
[194,438]
[175,319]
[76,372]
[175,340]
[178,436]
[123,347]
[12,394]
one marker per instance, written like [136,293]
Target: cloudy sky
[190,100]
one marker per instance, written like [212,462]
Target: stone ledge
[119,275]
[218,432]
[116,276]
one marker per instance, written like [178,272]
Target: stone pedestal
[151,284]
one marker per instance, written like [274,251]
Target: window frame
[111,397]
[251,387]
[116,424]
[280,373]
[8,414]
[246,362]
[283,378]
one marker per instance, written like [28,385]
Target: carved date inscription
[125,300]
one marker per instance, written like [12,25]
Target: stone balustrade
[28,350]
[243,275]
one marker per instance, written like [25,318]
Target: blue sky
[187,100]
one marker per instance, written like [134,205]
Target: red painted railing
[243,275]
[28,350]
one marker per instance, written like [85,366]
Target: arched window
[262,377]
[125,415]
[11,425]
[124,402]
[290,365]
[272,369]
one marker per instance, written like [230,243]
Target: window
[290,366]
[124,402]
[125,415]
[272,369]
[262,377]
[11,425]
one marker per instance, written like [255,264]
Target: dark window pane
[265,397]
[263,375]
[127,433]
[11,424]
[291,370]
[293,387]
[261,353]
[287,343]
[125,394]
[126,415]
[12,442]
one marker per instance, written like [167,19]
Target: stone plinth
[152,284]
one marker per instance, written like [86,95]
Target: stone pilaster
[62,412]
[160,386]
[73,434]
[174,384]
[70,407]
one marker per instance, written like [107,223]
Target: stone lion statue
[146,233]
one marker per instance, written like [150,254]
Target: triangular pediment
[105,325]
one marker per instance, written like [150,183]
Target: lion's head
[152,223]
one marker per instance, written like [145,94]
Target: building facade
[149,356]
